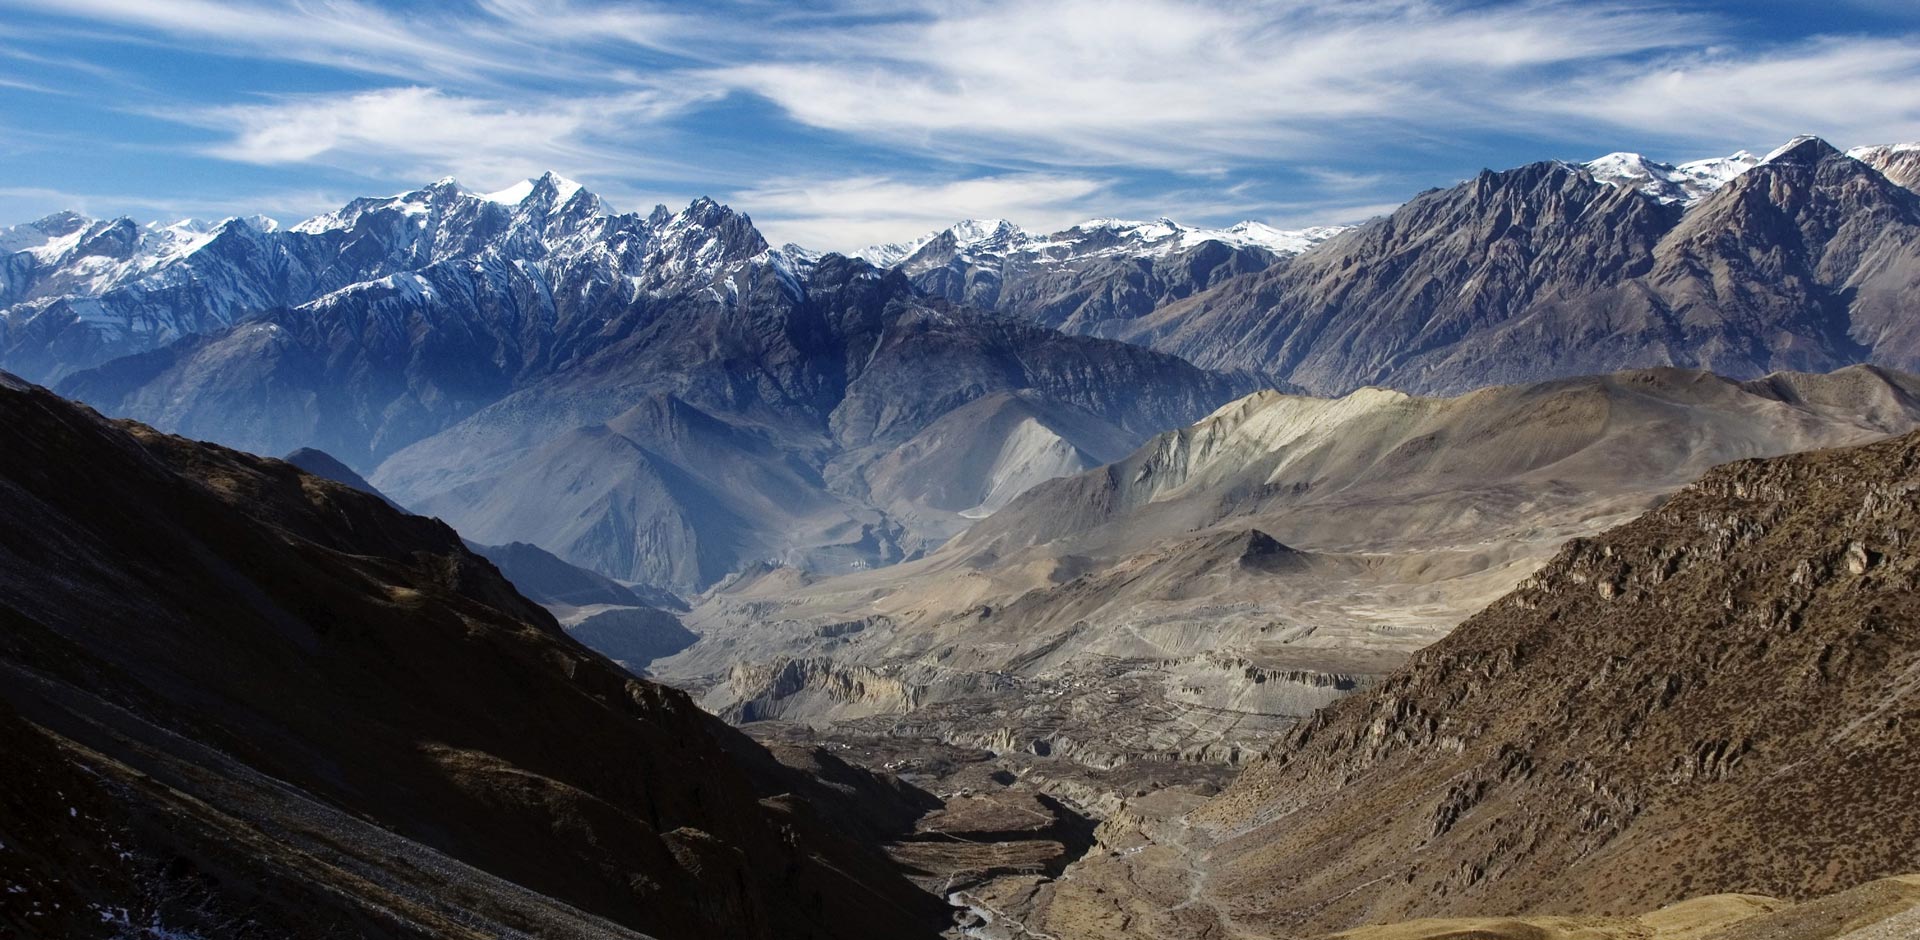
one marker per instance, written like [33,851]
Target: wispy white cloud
[1185,83]
[1852,90]
[497,42]
[37,201]
[419,132]
[888,119]
[343,33]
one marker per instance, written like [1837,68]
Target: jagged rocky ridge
[260,703]
[79,292]
[1808,261]
[1091,278]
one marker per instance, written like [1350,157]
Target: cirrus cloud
[845,121]
[418,132]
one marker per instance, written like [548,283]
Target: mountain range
[709,402]
[1540,548]
[725,398]
[1804,262]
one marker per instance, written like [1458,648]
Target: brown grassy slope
[1722,696]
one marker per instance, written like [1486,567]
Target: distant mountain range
[1806,261]
[712,402]
[662,398]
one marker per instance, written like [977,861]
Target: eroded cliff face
[772,690]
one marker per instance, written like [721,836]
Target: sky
[841,123]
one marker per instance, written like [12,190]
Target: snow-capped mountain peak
[1685,183]
[891,253]
[1800,147]
[963,237]
[563,190]
[1897,162]
[973,231]
[990,240]
[1875,150]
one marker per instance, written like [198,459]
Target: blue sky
[837,123]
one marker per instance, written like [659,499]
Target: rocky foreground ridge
[239,700]
[1717,697]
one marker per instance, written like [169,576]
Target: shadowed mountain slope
[312,715]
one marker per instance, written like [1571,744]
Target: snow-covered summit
[1684,183]
[563,190]
[72,255]
[1877,150]
[1798,143]
[1688,183]
[978,241]
[129,287]
[1897,162]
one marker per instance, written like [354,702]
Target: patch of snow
[563,189]
[1787,147]
[989,241]
[512,195]
[1685,184]
[1882,150]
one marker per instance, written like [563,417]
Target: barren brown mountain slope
[1887,909]
[1723,695]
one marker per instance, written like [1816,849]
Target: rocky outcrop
[768,690]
